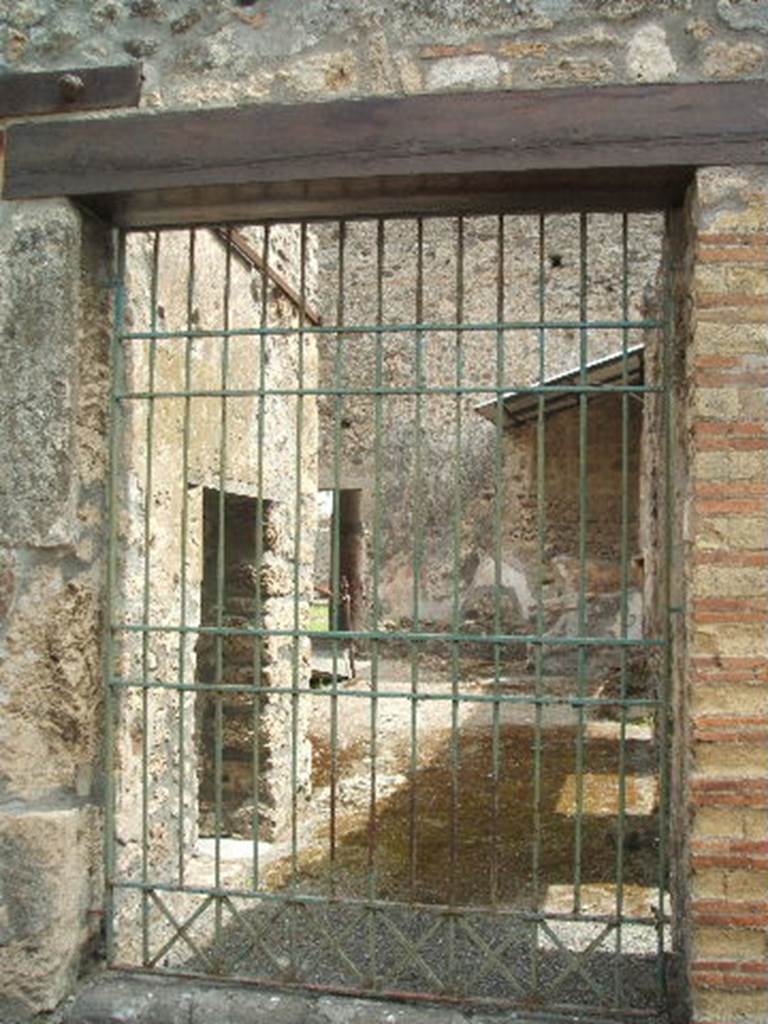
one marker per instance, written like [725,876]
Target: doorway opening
[394,652]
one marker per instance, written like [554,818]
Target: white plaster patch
[649,58]
[480,70]
[512,578]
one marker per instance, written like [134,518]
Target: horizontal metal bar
[484,638]
[398,328]
[470,698]
[365,903]
[480,389]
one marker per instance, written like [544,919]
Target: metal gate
[388,651]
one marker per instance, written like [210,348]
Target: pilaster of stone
[728,605]
[54,322]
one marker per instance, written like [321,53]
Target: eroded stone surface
[49,905]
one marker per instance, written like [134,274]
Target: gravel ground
[458,800]
[426,952]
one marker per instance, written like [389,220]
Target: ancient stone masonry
[56,316]
[196,485]
[349,457]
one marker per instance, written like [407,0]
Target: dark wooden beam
[612,189]
[212,154]
[55,92]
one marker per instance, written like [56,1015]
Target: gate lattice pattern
[422,749]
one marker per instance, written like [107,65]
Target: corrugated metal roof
[522,406]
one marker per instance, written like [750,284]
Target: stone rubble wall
[225,452]
[492,475]
[220,52]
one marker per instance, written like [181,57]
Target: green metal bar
[221,588]
[378,427]
[624,620]
[428,327]
[448,637]
[670,568]
[111,700]
[583,516]
[498,505]
[418,555]
[146,598]
[438,909]
[484,389]
[297,583]
[336,583]
[456,611]
[541,540]
[505,698]
[184,543]
[258,659]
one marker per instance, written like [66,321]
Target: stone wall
[425,491]
[221,52]
[54,318]
[168,541]
[54,380]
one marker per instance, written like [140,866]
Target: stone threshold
[124,998]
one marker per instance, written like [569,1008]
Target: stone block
[649,58]
[38,367]
[49,904]
[480,71]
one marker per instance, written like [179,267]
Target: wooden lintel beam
[217,156]
[57,92]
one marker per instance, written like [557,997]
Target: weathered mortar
[218,53]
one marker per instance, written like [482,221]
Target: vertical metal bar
[258,659]
[220,584]
[338,377]
[669,413]
[456,616]
[418,545]
[376,583]
[147,595]
[624,614]
[183,638]
[498,504]
[583,520]
[111,701]
[297,581]
[541,534]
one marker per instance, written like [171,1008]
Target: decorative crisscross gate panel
[389,636]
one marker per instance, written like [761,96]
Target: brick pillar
[727,555]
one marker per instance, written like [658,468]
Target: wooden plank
[54,92]
[622,189]
[617,126]
[248,254]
